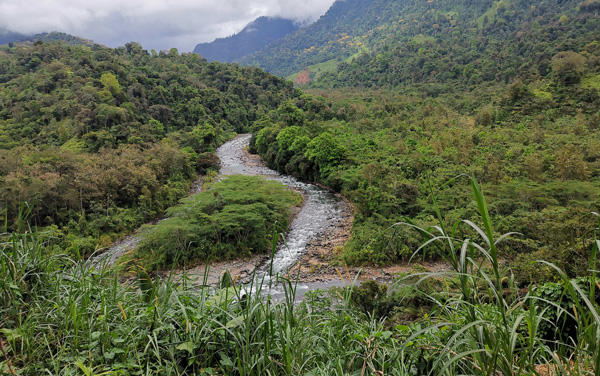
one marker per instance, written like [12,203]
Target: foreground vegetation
[66,318]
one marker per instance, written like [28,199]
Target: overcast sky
[158,24]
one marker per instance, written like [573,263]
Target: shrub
[234,218]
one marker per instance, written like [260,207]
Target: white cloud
[158,24]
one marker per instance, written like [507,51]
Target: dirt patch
[240,270]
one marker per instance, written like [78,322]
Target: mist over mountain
[254,37]
[7,36]
[330,37]
[155,24]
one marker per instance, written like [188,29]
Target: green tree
[569,66]
[325,151]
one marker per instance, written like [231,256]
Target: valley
[422,199]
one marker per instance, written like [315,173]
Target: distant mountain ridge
[7,37]
[254,37]
[330,37]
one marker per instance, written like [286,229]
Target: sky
[156,24]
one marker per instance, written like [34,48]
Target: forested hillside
[330,37]
[392,43]
[449,49]
[254,37]
[95,141]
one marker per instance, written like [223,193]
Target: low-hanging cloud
[158,24]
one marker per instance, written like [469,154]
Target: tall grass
[491,329]
[60,317]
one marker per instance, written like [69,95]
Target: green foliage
[325,151]
[569,66]
[373,299]
[207,161]
[381,146]
[442,45]
[234,218]
[492,321]
[559,309]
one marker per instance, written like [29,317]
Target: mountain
[254,37]
[7,36]
[390,43]
[447,49]
[69,39]
[330,37]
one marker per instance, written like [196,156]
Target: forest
[505,91]
[535,157]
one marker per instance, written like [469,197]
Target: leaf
[11,334]
[146,286]
[225,360]
[186,346]
[234,322]
[222,296]
[87,371]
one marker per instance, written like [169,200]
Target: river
[321,210]
[320,214]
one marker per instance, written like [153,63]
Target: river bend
[321,210]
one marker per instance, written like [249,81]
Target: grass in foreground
[64,318]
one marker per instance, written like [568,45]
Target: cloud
[158,24]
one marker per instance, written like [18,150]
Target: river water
[321,210]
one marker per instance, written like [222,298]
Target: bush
[207,161]
[559,312]
[568,66]
[234,218]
